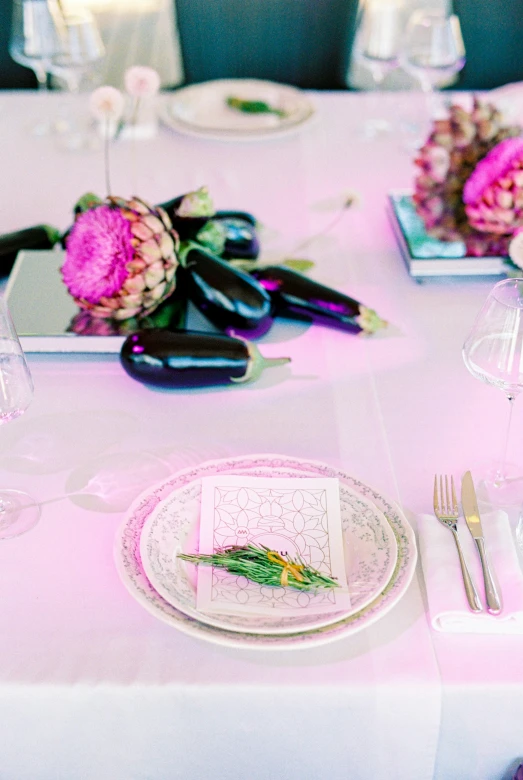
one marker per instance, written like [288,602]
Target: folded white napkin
[448,605]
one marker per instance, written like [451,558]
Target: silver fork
[447,512]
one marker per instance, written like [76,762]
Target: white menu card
[299,517]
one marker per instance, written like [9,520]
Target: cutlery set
[447,512]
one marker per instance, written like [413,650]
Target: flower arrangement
[121,258]
[469,181]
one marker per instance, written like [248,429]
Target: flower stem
[106,156]
[348,202]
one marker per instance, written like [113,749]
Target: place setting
[236,109]
[321,555]
[474,584]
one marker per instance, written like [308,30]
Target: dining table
[94,685]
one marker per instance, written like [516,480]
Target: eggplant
[244,216]
[241,240]
[184,359]
[186,227]
[35,237]
[231,299]
[295,296]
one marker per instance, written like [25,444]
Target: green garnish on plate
[264,566]
[254,107]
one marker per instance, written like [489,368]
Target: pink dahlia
[121,259]
[493,194]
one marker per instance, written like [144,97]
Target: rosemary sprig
[264,566]
[254,107]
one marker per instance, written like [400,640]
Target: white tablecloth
[94,687]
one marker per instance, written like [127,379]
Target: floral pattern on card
[301,521]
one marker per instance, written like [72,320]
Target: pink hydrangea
[98,252]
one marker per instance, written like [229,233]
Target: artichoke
[121,258]
[446,161]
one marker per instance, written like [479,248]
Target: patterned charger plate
[370,559]
[130,568]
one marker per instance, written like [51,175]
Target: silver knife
[471,512]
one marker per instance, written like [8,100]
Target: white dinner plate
[202,110]
[131,571]
[370,558]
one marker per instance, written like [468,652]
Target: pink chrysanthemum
[121,259]
[98,251]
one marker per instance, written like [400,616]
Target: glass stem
[502,469]
[41,77]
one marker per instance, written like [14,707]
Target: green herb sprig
[254,107]
[264,566]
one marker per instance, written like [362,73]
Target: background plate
[202,110]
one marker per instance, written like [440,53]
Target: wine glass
[35,37]
[77,62]
[432,50]
[493,353]
[376,45]
[18,511]
[82,50]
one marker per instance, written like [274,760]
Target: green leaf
[298,264]
[213,235]
[243,264]
[253,106]
[53,233]
[196,204]
[86,202]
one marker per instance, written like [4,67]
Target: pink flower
[497,163]
[98,251]
[141,81]
[107,103]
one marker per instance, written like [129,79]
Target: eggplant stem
[257,363]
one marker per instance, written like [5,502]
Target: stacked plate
[380,555]
[202,110]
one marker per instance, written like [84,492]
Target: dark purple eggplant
[231,299]
[186,227]
[244,216]
[241,240]
[295,296]
[184,359]
[35,237]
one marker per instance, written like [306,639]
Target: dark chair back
[12,75]
[493,36]
[306,43]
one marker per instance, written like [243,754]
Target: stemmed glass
[376,45]
[35,37]
[18,511]
[79,58]
[82,49]
[493,353]
[432,50]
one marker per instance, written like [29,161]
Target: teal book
[427,257]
